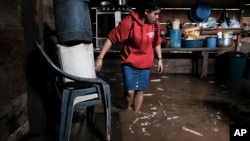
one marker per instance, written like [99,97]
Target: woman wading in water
[140,33]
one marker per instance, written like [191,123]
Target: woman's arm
[106,46]
[159,57]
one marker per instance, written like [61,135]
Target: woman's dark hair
[149,5]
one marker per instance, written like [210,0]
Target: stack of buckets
[175,34]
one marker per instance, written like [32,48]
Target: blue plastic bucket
[72,20]
[175,38]
[211,42]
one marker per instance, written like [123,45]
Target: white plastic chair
[80,87]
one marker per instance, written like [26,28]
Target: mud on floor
[175,108]
[183,107]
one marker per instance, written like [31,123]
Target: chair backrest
[62,72]
[77,60]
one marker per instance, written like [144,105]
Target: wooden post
[204,64]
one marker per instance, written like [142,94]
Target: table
[204,53]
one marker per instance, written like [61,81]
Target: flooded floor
[183,107]
[175,108]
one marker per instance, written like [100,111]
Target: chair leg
[107,109]
[64,110]
[68,124]
[70,112]
[67,111]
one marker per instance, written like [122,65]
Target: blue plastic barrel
[231,65]
[72,20]
[175,38]
[235,64]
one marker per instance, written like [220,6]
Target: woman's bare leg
[130,99]
[138,100]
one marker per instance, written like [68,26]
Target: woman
[140,35]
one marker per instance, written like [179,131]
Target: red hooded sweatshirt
[139,41]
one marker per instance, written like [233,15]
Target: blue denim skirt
[135,79]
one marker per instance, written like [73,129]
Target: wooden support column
[204,68]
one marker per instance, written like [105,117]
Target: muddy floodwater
[175,108]
[184,108]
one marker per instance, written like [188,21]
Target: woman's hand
[104,49]
[159,55]
[98,64]
[160,66]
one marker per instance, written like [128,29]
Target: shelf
[180,50]
[214,31]
[111,12]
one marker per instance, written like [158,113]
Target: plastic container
[236,64]
[193,43]
[176,24]
[200,12]
[175,38]
[224,42]
[72,20]
[231,65]
[211,42]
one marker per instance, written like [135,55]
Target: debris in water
[174,117]
[153,108]
[154,113]
[160,103]
[136,120]
[148,94]
[164,76]
[165,114]
[192,131]
[145,124]
[130,129]
[143,130]
[159,89]
[211,82]
[145,117]
[215,129]
[218,117]
[155,80]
